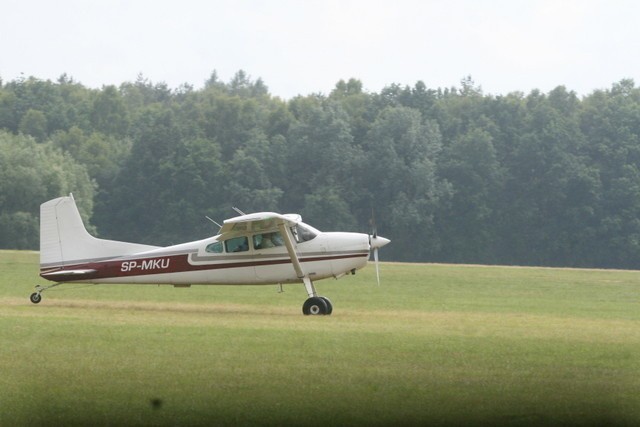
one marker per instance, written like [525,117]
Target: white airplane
[254,249]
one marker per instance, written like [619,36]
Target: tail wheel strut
[36,297]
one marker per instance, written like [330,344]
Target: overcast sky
[303,47]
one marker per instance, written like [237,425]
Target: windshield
[303,233]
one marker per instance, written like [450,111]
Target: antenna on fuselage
[238,210]
[213,221]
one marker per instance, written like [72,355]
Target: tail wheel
[315,306]
[35,297]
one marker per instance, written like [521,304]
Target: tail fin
[64,240]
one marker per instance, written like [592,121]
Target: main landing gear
[315,305]
[36,297]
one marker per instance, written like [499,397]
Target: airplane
[249,249]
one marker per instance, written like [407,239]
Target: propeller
[376,242]
[375,258]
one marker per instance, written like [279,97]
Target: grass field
[433,345]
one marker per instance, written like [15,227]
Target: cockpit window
[237,244]
[215,248]
[302,233]
[267,240]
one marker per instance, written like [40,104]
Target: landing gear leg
[308,285]
[36,297]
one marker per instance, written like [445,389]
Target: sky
[307,46]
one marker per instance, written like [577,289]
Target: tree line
[450,174]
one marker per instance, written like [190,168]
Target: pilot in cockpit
[269,240]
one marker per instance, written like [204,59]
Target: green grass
[434,344]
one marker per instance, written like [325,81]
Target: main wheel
[315,306]
[35,297]
[329,305]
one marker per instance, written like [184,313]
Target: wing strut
[288,242]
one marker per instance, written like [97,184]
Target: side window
[237,244]
[267,240]
[215,248]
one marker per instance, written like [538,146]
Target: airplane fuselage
[326,255]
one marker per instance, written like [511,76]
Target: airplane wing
[261,221]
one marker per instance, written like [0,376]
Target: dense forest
[452,175]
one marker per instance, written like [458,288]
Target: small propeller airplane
[254,249]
